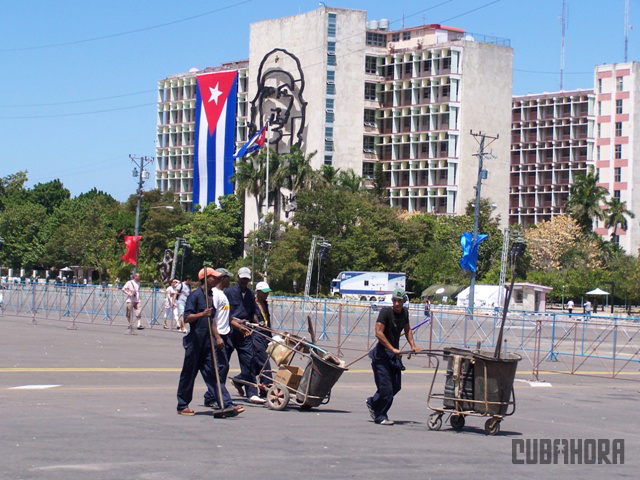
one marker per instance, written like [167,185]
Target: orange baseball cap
[210,273]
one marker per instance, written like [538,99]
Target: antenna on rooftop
[626,29]
[562,48]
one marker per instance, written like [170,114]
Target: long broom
[220,412]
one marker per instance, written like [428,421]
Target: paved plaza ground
[111,415]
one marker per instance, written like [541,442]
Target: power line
[113,35]
[470,11]
[76,101]
[80,113]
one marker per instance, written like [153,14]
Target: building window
[619,84]
[618,129]
[395,37]
[329,117]
[331,30]
[599,85]
[329,103]
[445,90]
[331,75]
[406,35]
[617,174]
[376,39]
[446,62]
[328,146]
[331,89]
[599,108]
[407,68]
[328,159]
[599,130]
[368,169]
[618,107]
[370,65]
[331,47]
[331,60]
[597,153]
[616,194]
[370,118]
[369,144]
[369,91]
[618,152]
[328,132]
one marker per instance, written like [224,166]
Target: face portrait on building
[280,84]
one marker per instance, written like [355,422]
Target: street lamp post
[142,175]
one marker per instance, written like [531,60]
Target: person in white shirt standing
[170,306]
[184,289]
[132,290]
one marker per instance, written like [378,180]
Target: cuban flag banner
[216,98]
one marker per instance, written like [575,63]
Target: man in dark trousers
[261,340]
[243,305]
[197,345]
[386,360]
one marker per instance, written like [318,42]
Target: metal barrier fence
[596,345]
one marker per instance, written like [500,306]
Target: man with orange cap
[197,345]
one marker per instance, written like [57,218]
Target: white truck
[367,286]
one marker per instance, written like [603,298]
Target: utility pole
[142,174]
[482,174]
[563,20]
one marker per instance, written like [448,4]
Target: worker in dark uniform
[197,345]
[386,360]
[261,340]
[243,304]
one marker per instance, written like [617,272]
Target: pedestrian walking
[386,357]
[570,305]
[170,305]
[197,344]
[242,303]
[184,290]
[132,305]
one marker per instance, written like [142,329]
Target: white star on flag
[215,93]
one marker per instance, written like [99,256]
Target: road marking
[33,387]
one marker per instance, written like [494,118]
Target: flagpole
[267,192]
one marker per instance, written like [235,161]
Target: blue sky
[99,62]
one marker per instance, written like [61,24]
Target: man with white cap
[243,304]
[260,342]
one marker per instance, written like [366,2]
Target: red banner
[132,244]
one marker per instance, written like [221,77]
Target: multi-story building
[176,127]
[408,99]
[552,140]
[617,90]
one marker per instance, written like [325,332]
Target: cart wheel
[457,422]
[277,397]
[435,421]
[492,426]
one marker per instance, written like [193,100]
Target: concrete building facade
[407,99]
[552,140]
[617,89]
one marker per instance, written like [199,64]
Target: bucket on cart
[318,379]
[458,382]
[500,374]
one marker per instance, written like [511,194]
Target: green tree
[50,195]
[349,180]
[10,186]
[21,227]
[616,216]
[585,199]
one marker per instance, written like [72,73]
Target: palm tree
[296,172]
[616,216]
[328,175]
[585,199]
[249,178]
[350,180]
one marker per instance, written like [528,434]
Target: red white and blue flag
[255,143]
[216,98]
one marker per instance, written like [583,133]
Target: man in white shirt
[223,320]
[570,305]
[184,289]
[132,290]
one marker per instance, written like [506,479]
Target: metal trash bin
[500,374]
[458,382]
[318,379]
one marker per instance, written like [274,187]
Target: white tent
[597,291]
[485,296]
